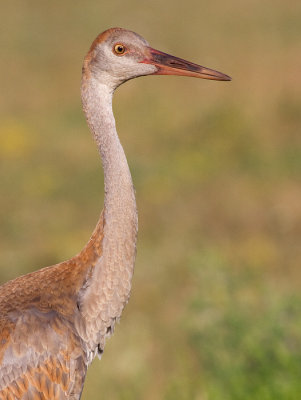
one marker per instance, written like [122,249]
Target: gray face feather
[114,69]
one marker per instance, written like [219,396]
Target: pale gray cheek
[147,69]
[125,72]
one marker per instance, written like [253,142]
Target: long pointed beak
[170,65]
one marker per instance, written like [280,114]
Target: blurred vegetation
[215,308]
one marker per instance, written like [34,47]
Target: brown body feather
[41,354]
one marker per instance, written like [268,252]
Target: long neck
[110,283]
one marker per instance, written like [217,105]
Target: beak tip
[224,77]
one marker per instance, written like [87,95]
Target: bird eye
[119,49]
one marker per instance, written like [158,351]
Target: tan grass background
[215,307]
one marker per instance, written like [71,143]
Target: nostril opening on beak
[176,63]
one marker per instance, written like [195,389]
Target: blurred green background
[215,311]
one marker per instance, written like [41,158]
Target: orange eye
[119,49]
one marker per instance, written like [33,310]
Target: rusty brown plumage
[41,354]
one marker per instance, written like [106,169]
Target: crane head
[118,55]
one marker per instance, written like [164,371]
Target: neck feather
[109,287]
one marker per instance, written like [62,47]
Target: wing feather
[41,353]
[47,364]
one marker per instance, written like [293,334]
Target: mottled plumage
[41,352]
[54,321]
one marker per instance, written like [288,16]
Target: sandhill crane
[54,321]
